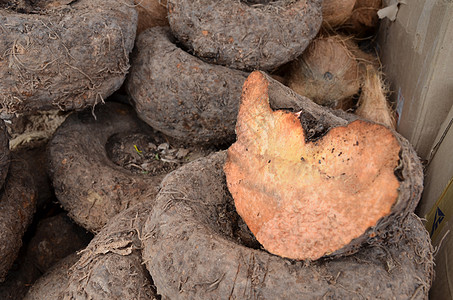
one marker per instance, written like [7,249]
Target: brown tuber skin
[66,57]
[244,36]
[193,251]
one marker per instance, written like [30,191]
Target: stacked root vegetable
[215,150]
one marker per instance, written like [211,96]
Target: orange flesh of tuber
[304,200]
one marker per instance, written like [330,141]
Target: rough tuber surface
[89,185]
[305,196]
[181,95]
[243,35]
[194,251]
[66,57]
[17,206]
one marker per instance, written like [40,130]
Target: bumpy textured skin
[66,57]
[245,36]
[191,253]
[17,206]
[181,95]
[55,238]
[110,267]
[50,285]
[4,153]
[87,183]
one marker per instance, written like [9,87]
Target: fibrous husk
[336,12]
[151,13]
[65,57]
[195,251]
[297,176]
[329,71]
[364,19]
[243,35]
[372,103]
[89,185]
[17,206]
[180,95]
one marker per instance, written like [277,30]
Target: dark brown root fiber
[89,185]
[65,57]
[179,94]
[193,253]
[109,268]
[17,206]
[245,36]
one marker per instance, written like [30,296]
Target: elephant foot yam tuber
[87,181]
[4,157]
[50,286]
[180,95]
[243,35]
[55,238]
[194,251]
[66,56]
[17,206]
[112,261]
[305,198]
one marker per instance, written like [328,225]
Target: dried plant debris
[373,104]
[29,131]
[244,35]
[140,153]
[63,54]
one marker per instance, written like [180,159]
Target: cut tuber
[309,183]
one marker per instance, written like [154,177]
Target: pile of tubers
[203,150]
